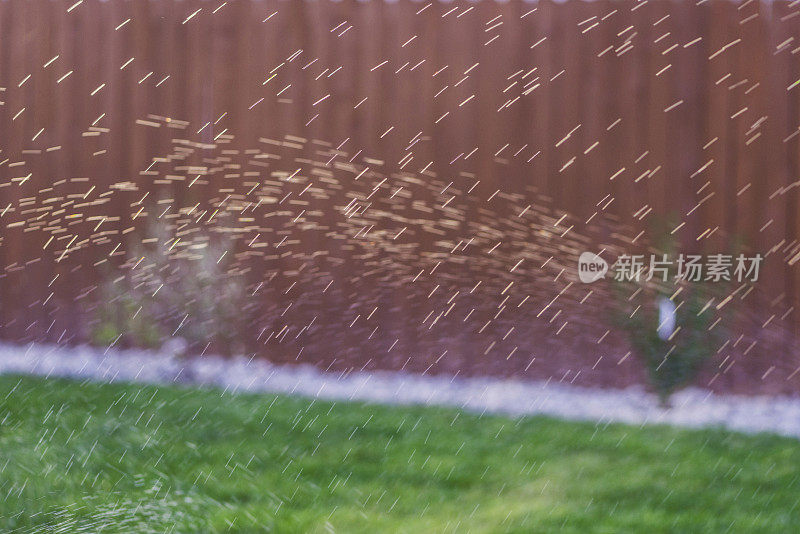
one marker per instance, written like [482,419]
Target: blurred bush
[673,325]
[673,357]
[172,290]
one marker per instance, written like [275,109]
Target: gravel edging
[692,407]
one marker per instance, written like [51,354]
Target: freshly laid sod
[86,457]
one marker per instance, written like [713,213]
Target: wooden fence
[597,111]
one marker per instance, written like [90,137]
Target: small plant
[672,322]
[172,288]
[120,313]
[672,354]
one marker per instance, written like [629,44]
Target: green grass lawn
[85,457]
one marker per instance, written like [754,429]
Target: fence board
[630,76]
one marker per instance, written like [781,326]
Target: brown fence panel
[384,140]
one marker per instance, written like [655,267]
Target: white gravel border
[691,407]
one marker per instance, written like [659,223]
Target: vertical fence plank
[631,77]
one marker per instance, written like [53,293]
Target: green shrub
[173,288]
[673,362]
[119,313]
